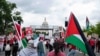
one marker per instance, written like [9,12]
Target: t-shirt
[92,42]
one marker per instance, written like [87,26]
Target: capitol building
[46,28]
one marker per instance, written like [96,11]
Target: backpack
[7,48]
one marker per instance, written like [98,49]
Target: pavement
[78,53]
[2,54]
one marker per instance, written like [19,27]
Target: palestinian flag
[22,40]
[75,36]
[87,23]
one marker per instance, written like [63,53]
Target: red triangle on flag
[18,30]
[72,29]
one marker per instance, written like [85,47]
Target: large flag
[19,34]
[87,23]
[18,30]
[75,36]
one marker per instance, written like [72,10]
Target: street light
[66,22]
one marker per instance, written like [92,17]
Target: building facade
[46,28]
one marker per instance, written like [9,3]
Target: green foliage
[93,29]
[98,28]
[45,33]
[84,30]
[6,23]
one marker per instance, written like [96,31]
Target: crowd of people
[42,49]
[46,49]
[95,44]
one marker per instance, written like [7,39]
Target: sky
[33,12]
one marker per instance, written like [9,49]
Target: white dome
[45,24]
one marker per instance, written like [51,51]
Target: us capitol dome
[45,24]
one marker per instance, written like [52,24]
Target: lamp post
[66,22]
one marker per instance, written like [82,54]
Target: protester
[56,51]
[72,49]
[92,43]
[41,48]
[29,50]
[98,45]
[15,48]
[5,41]
[62,44]
[7,49]
[49,46]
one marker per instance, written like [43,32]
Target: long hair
[56,47]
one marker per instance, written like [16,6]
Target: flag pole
[88,47]
[16,28]
[17,32]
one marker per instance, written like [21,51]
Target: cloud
[36,6]
[95,16]
[32,19]
[34,11]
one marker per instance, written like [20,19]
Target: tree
[6,15]
[92,29]
[98,28]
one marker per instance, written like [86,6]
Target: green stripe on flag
[24,42]
[77,42]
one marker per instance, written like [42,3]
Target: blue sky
[33,12]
